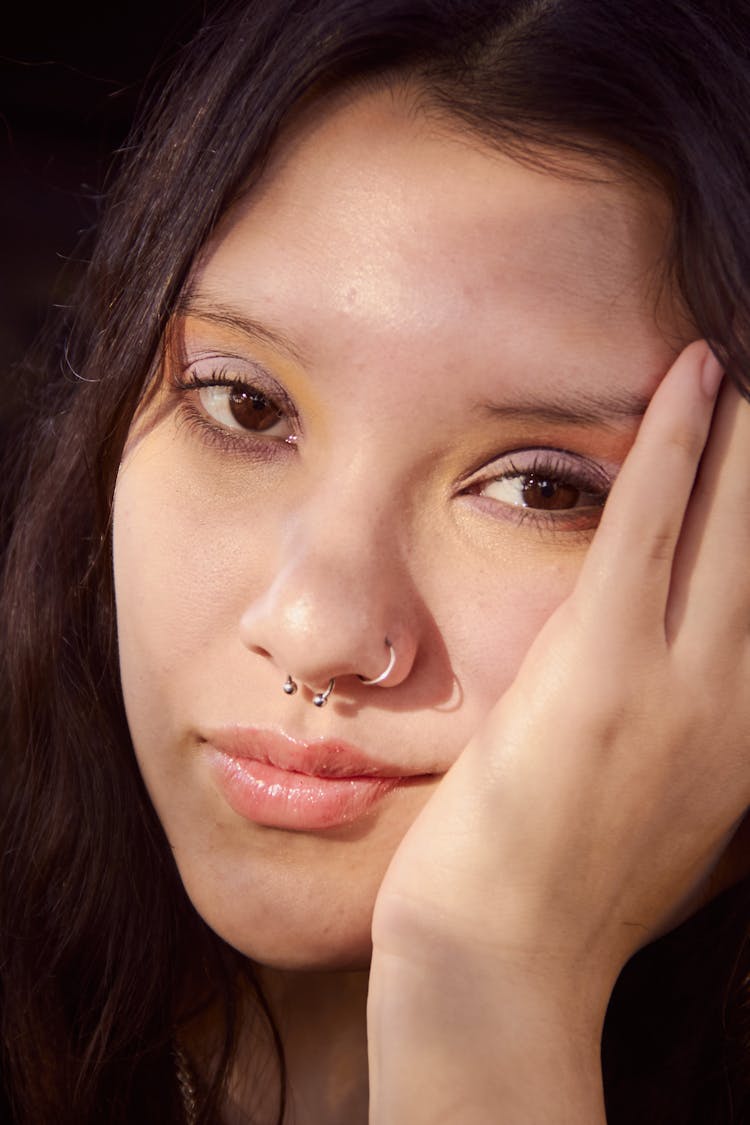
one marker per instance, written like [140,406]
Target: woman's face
[411,370]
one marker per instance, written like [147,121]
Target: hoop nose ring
[386,672]
[321,698]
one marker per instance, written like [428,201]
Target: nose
[341,604]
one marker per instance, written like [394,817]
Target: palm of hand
[585,814]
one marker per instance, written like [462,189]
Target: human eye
[550,487]
[236,403]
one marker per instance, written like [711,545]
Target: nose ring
[321,698]
[387,671]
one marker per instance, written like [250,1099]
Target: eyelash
[213,434]
[558,467]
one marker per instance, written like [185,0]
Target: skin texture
[597,847]
[436,313]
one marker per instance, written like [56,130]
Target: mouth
[280,782]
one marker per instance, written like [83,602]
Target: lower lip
[280,798]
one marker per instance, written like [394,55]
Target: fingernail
[711,375]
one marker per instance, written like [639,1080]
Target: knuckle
[686,442]
[661,545]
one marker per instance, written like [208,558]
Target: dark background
[71,77]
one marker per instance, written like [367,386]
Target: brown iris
[549,494]
[252,410]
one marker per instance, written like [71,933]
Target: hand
[583,818]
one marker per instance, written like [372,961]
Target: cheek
[499,617]
[155,585]
[186,560]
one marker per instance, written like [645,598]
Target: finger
[627,571]
[710,592]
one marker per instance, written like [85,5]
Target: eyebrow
[206,307]
[579,409]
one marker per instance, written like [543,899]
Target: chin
[303,935]
[299,951]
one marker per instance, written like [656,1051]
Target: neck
[321,1019]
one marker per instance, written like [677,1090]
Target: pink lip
[280,782]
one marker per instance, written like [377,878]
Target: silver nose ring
[321,698]
[386,672]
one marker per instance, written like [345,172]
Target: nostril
[258,650]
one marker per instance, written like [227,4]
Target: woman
[317,662]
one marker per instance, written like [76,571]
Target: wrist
[473,1042]
[522,960]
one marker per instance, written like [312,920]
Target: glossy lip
[281,782]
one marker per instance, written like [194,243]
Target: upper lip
[320,758]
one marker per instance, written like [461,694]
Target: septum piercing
[321,698]
[386,673]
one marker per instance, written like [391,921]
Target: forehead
[374,210]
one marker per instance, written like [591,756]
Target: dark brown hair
[101,954]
